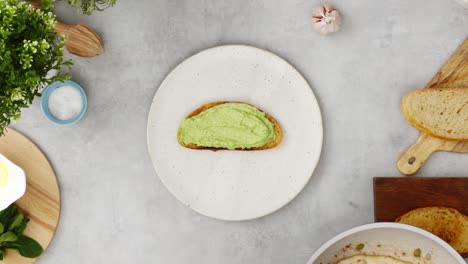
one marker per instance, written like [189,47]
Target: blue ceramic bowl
[45,102]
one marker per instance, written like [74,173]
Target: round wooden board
[42,199]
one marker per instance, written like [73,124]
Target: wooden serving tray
[394,197]
[453,74]
[41,203]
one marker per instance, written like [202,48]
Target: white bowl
[388,239]
[15,186]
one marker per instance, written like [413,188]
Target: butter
[229,125]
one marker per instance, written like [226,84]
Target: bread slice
[272,144]
[446,223]
[440,112]
[366,259]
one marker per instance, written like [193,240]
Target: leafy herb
[16,221]
[29,49]
[27,247]
[8,237]
[46,4]
[12,225]
[89,6]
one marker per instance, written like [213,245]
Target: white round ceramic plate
[236,185]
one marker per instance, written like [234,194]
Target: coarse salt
[65,103]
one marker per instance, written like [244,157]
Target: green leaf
[89,6]
[27,247]
[16,221]
[47,4]
[13,238]
[20,229]
[8,237]
[7,214]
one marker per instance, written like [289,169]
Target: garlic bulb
[326,19]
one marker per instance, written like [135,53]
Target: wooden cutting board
[453,74]
[394,197]
[42,199]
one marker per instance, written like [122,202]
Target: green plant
[88,6]
[29,49]
[12,226]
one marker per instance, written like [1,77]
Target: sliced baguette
[440,112]
[272,144]
[446,223]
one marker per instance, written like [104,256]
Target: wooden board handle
[36,3]
[62,29]
[414,157]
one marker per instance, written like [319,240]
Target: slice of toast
[367,259]
[446,223]
[438,112]
[269,145]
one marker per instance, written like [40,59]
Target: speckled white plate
[236,185]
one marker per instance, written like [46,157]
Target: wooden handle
[81,39]
[62,29]
[36,3]
[415,156]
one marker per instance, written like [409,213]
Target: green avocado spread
[229,125]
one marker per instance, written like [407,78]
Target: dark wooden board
[394,196]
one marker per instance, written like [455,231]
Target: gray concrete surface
[115,209]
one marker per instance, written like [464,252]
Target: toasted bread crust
[278,129]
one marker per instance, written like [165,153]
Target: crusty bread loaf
[366,259]
[440,112]
[446,223]
[272,144]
